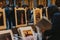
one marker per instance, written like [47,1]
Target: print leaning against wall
[20,17]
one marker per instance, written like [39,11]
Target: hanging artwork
[37,15]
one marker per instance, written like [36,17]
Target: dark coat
[55,27]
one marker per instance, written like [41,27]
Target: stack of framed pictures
[2,19]
[27,33]
[37,15]
[6,35]
[20,17]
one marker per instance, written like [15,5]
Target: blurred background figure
[10,17]
[7,15]
[28,13]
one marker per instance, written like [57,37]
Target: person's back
[56,22]
[55,27]
[55,19]
[7,10]
[52,10]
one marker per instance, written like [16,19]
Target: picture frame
[20,14]
[2,19]
[6,35]
[37,15]
[26,33]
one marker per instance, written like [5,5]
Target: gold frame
[7,31]
[4,19]
[16,17]
[22,33]
[40,12]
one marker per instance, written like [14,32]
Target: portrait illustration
[20,17]
[37,15]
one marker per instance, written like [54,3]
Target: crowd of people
[53,14]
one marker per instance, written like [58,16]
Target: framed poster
[27,33]
[6,35]
[37,15]
[2,19]
[20,17]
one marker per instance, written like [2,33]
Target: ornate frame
[35,14]
[4,19]
[6,32]
[23,30]
[19,9]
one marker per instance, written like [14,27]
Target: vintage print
[27,33]
[20,17]
[6,35]
[2,19]
[37,15]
